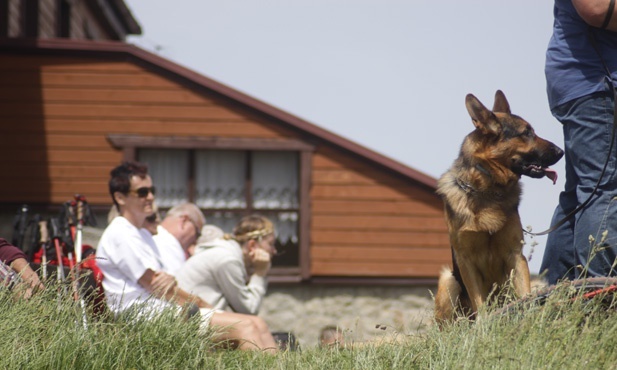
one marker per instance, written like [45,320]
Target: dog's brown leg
[521,280]
[470,255]
[447,298]
[473,284]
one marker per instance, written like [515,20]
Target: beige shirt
[217,274]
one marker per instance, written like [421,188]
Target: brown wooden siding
[370,223]
[56,114]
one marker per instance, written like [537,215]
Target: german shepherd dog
[481,192]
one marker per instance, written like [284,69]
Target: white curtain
[169,171]
[275,186]
[220,178]
[225,220]
[275,180]
[286,225]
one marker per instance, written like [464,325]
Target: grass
[46,333]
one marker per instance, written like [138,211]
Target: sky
[390,75]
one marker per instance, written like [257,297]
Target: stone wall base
[364,313]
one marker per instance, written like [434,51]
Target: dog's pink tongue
[551,174]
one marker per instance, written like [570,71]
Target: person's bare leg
[264,330]
[241,328]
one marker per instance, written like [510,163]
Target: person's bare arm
[594,12]
[152,282]
[163,281]
[28,275]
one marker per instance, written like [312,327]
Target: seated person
[208,234]
[176,233]
[331,337]
[15,269]
[134,276]
[217,272]
[151,223]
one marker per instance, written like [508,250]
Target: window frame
[131,143]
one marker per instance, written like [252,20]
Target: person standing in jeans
[581,69]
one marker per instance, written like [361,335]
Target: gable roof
[124,51]
[117,16]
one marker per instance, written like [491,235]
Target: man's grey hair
[187,209]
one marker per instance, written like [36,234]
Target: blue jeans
[586,245]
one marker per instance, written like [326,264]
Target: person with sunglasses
[134,278]
[230,271]
[151,223]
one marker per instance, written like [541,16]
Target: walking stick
[83,218]
[74,219]
[80,225]
[56,238]
[67,219]
[43,244]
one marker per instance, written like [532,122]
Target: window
[229,184]
[231,177]
[64,19]
[29,18]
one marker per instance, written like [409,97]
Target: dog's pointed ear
[501,103]
[482,118]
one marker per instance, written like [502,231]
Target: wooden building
[71,110]
[71,19]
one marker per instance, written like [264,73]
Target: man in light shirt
[134,275]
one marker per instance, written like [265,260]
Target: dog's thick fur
[481,192]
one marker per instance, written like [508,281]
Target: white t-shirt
[169,251]
[124,254]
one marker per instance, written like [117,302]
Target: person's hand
[261,261]
[163,282]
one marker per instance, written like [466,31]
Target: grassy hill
[46,332]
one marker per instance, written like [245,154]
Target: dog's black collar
[469,189]
[466,187]
[479,167]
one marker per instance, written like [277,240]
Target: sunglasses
[143,192]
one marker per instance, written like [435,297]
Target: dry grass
[45,333]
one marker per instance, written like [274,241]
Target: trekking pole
[43,241]
[64,234]
[75,284]
[56,237]
[83,218]
[80,199]
[67,219]
[19,227]
[74,219]
[74,274]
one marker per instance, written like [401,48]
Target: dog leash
[610,149]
